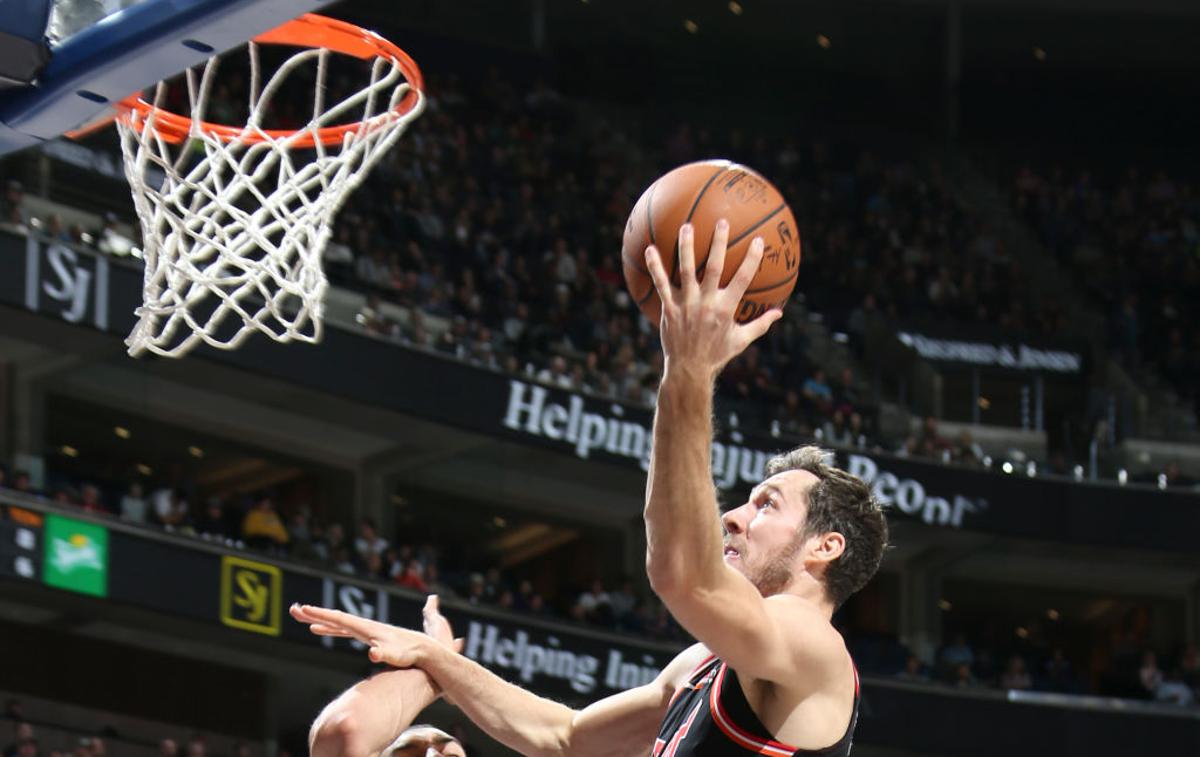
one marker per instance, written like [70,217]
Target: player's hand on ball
[390,645]
[699,332]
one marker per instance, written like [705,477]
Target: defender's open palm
[398,647]
[699,333]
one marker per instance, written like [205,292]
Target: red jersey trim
[688,685]
[737,735]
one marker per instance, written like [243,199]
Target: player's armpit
[626,723]
[772,639]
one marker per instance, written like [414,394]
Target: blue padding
[129,51]
[25,18]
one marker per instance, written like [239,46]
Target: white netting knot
[233,235]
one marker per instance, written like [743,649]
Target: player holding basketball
[770,674]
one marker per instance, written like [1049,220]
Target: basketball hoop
[234,235]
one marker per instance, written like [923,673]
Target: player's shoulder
[810,630]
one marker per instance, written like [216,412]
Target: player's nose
[731,520]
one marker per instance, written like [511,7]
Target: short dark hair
[840,502]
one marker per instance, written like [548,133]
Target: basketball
[702,193]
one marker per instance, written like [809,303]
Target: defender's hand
[699,333]
[437,627]
[398,647]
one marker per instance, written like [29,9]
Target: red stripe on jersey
[736,734]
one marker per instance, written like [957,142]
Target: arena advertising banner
[250,594]
[990,350]
[75,555]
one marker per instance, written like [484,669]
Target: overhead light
[1031,469]
[195,452]
[1022,632]
[735,7]
[1052,614]
[944,605]
[144,469]
[1039,55]
[1122,477]
[69,451]
[121,432]
[1162,480]
[691,26]
[824,42]
[1007,467]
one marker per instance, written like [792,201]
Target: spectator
[962,677]
[330,541]
[1058,674]
[932,443]
[1149,675]
[213,521]
[262,527]
[1173,690]
[494,584]
[23,482]
[914,670]
[595,604]
[623,601]
[133,504]
[836,432]
[369,541]
[413,577]
[168,748]
[958,652]
[434,583]
[12,209]
[22,731]
[196,746]
[475,588]
[342,562]
[300,536]
[1015,675]
[170,509]
[818,392]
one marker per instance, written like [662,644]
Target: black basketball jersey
[710,717]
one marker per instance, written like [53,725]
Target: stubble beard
[773,577]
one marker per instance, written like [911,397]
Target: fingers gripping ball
[701,194]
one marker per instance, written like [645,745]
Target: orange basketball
[701,194]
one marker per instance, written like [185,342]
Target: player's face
[764,536]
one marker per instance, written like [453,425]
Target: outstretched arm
[619,725]
[366,718]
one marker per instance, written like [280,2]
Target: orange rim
[309,30]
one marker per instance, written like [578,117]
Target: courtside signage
[75,556]
[251,595]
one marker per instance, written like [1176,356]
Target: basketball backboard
[101,51]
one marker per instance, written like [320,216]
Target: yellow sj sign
[251,595]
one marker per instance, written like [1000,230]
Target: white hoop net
[233,236]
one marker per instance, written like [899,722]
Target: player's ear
[829,547]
